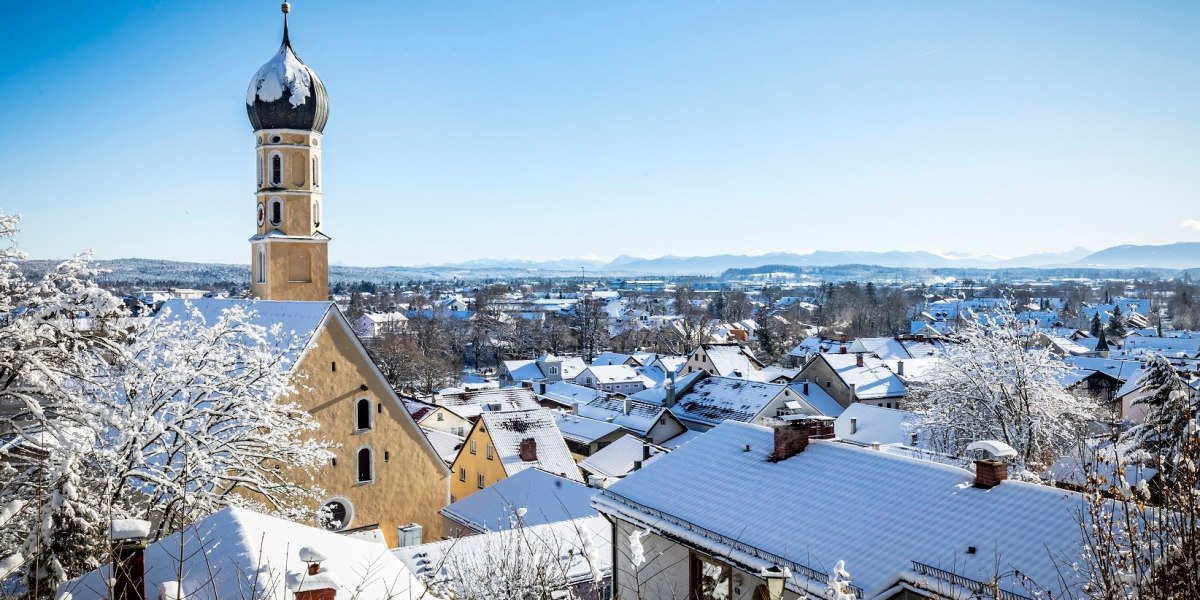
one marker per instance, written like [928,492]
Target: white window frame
[275,201]
[349,512]
[262,264]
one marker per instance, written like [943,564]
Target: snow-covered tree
[1116,324]
[105,417]
[990,386]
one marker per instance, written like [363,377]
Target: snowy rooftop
[584,543]
[867,423]
[446,444]
[730,358]
[546,498]
[616,459]
[508,428]
[715,399]
[568,393]
[817,397]
[242,548]
[608,374]
[875,510]
[297,320]
[583,429]
[872,380]
[641,417]
[470,404]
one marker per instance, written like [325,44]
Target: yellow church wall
[278,285]
[467,466]
[411,484]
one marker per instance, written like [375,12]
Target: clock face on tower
[262,214]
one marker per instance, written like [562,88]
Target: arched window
[365,469]
[262,265]
[316,173]
[260,172]
[276,211]
[316,210]
[363,420]
[276,169]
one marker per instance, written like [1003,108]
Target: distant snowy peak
[284,72]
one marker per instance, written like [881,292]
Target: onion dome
[285,93]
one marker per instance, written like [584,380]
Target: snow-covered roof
[641,417]
[446,444]
[875,510]
[610,358]
[715,399]
[471,404]
[388,317]
[241,546]
[583,429]
[727,359]
[874,424]
[585,544]
[872,380]
[565,392]
[681,439]
[546,498]
[883,347]
[508,428]
[816,397]
[616,459]
[658,395]
[620,373]
[1121,369]
[298,321]
[523,370]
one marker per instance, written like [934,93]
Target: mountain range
[1182,255]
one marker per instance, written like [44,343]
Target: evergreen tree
[1116,324]
[1097,327]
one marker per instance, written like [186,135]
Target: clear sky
[538,130]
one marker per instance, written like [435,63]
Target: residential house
[586,436]
[712,521]
[469,405]
[650,421]
[501,444]
[722,360]
[370,325]
[384,471]
[621,458]
[548,368]
[614,379]
[436,417]
[851,378]
[712,400]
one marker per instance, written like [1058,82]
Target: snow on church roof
[297,320]
[233,548]
[875,510]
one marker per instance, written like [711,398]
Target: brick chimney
[129,567]
[528,450]
[990,472]
[858,360]
[792,437]
[315,582]
[900,368]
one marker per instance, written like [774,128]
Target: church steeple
[288,107]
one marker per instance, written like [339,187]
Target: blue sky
[537,130]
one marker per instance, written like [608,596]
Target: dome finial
[286,8]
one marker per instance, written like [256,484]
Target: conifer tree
[1116,324]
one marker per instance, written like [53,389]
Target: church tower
[288,107]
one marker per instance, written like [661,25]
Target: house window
[276,211]
[276,169]
[462,473]
[441,417]
[479,481]
[711,580]
[472,446]
[366,469]
[333,366]
[363,420]
[490,451]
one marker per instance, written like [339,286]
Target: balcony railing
[988,590]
